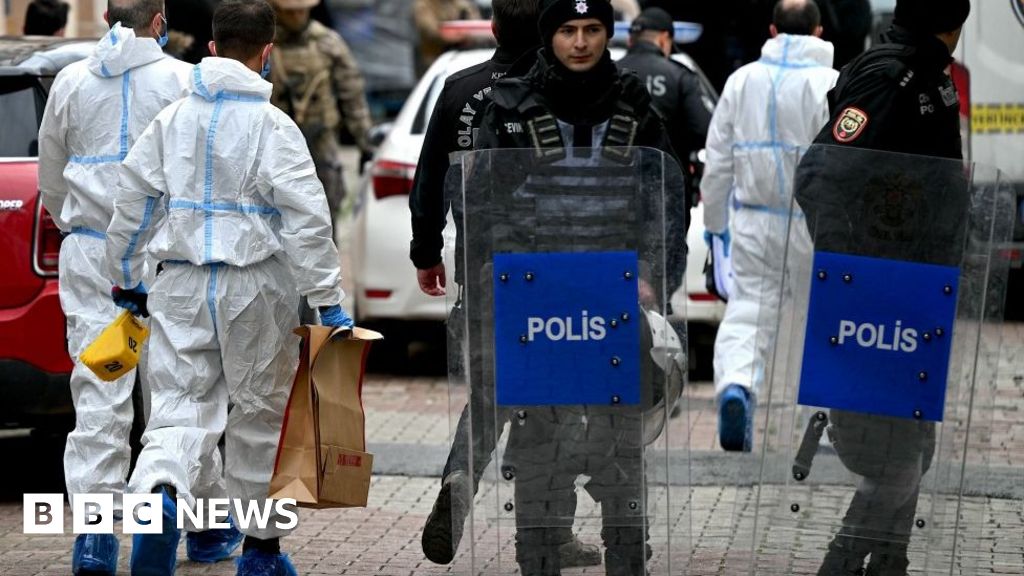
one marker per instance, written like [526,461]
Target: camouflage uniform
[318,83]
[429,15]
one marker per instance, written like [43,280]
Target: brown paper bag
[321,457]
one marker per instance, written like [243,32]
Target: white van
[992,51]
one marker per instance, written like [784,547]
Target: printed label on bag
[350,460]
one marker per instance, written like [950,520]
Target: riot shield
[874,437]
[562,365]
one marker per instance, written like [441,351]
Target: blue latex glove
[336,317]
[724,236]
[132,299]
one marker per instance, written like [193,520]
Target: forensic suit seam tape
[181,204]
[123,132]
[147,216]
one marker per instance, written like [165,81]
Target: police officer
[675,89]
[451,130]
[318,83]
[895,97]
[575,98]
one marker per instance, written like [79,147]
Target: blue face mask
[162,39]
[266,69]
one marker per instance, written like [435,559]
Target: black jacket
[897,97]
[451,129]
[585,102]
[677,94]
[893,98]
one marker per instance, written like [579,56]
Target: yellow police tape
[116,350]
[997,118]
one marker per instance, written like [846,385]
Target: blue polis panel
[560,337]
[879,334]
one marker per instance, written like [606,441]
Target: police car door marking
[850,124]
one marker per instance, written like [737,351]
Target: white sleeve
[717,182]
[53,152]
[137,207]
[287,169]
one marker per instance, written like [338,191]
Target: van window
[21,110]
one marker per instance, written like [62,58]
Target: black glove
[131,299]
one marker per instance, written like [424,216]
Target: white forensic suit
[96,109]
[221,190]
[769,113]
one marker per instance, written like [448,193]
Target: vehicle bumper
[33,398]
[34,365]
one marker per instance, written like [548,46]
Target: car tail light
[392,178]
[378,294]
[46,244]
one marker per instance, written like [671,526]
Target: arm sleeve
[876,94]
[137,207]
[53,153]
[718,170]
[695,117]
[350,91]
[426,200]
[287,170]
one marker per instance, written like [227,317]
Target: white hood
[120,50]
[215,76]
[798,49]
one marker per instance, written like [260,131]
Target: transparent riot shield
[563,367]
[876,436]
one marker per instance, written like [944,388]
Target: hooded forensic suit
[769,113]
[95,111]
[222,190]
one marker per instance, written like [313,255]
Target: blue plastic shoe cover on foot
[213,545]
[735,419]
[156,554]
[260,563]
[94,554]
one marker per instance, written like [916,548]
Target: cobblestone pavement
[712,509]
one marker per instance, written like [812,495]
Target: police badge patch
[581,7]
[850,125]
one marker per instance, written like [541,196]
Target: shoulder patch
[850,125]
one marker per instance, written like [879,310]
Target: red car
[34,362]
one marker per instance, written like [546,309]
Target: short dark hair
[796,18]
[134,14]
[241,28]
[45,17]
[515,22]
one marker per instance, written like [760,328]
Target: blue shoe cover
[736,420]
[94,554]
[259,563]
[156,554]
[213,545]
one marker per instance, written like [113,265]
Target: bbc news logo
[144,514]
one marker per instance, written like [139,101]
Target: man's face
[579,44]
[294,19]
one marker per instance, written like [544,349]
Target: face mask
[266,69]
[162,39]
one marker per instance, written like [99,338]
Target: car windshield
[21,109]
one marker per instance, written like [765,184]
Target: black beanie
[554,13]
[931,16]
